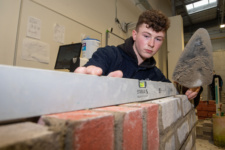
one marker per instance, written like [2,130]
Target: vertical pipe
[173,7]
[17,34]
[217,96]
[106,37]
[115,9]
[222,13]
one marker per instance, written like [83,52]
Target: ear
[134,34]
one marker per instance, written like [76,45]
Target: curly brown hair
[154,19]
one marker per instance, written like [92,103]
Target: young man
[134,59]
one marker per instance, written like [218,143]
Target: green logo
[142,84]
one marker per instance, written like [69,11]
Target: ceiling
[206,19]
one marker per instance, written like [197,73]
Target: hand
[192,92]
[93,70]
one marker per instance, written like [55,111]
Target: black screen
[65,55]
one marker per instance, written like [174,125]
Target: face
[147,42]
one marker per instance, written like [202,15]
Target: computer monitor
[68,56]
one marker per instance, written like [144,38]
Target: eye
[146,36]
[159,39]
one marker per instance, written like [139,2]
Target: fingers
[118,74]
[81,70]
[192,92]
[92,70]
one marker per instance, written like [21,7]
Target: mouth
[148,51]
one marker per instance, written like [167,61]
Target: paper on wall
[34,50]
[59,33]
[34,28]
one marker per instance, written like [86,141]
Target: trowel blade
[195,65]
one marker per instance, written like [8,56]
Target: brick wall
[206,109]
[166,123]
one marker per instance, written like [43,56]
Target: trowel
[195,65]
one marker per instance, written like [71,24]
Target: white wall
[42,50]
[97,14]
[217,37]
[162,60]
[163,5]
[218,65]
[9,16]
[175,42]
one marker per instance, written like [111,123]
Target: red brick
[211,108]
[87,129]
[151,140]
[212,105]
[212,102]
[130,120]
[202,113]
[203,102]
[199,107]
[205,108]
[202,106]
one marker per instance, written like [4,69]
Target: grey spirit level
[28,92]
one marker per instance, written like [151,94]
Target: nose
[151,42]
